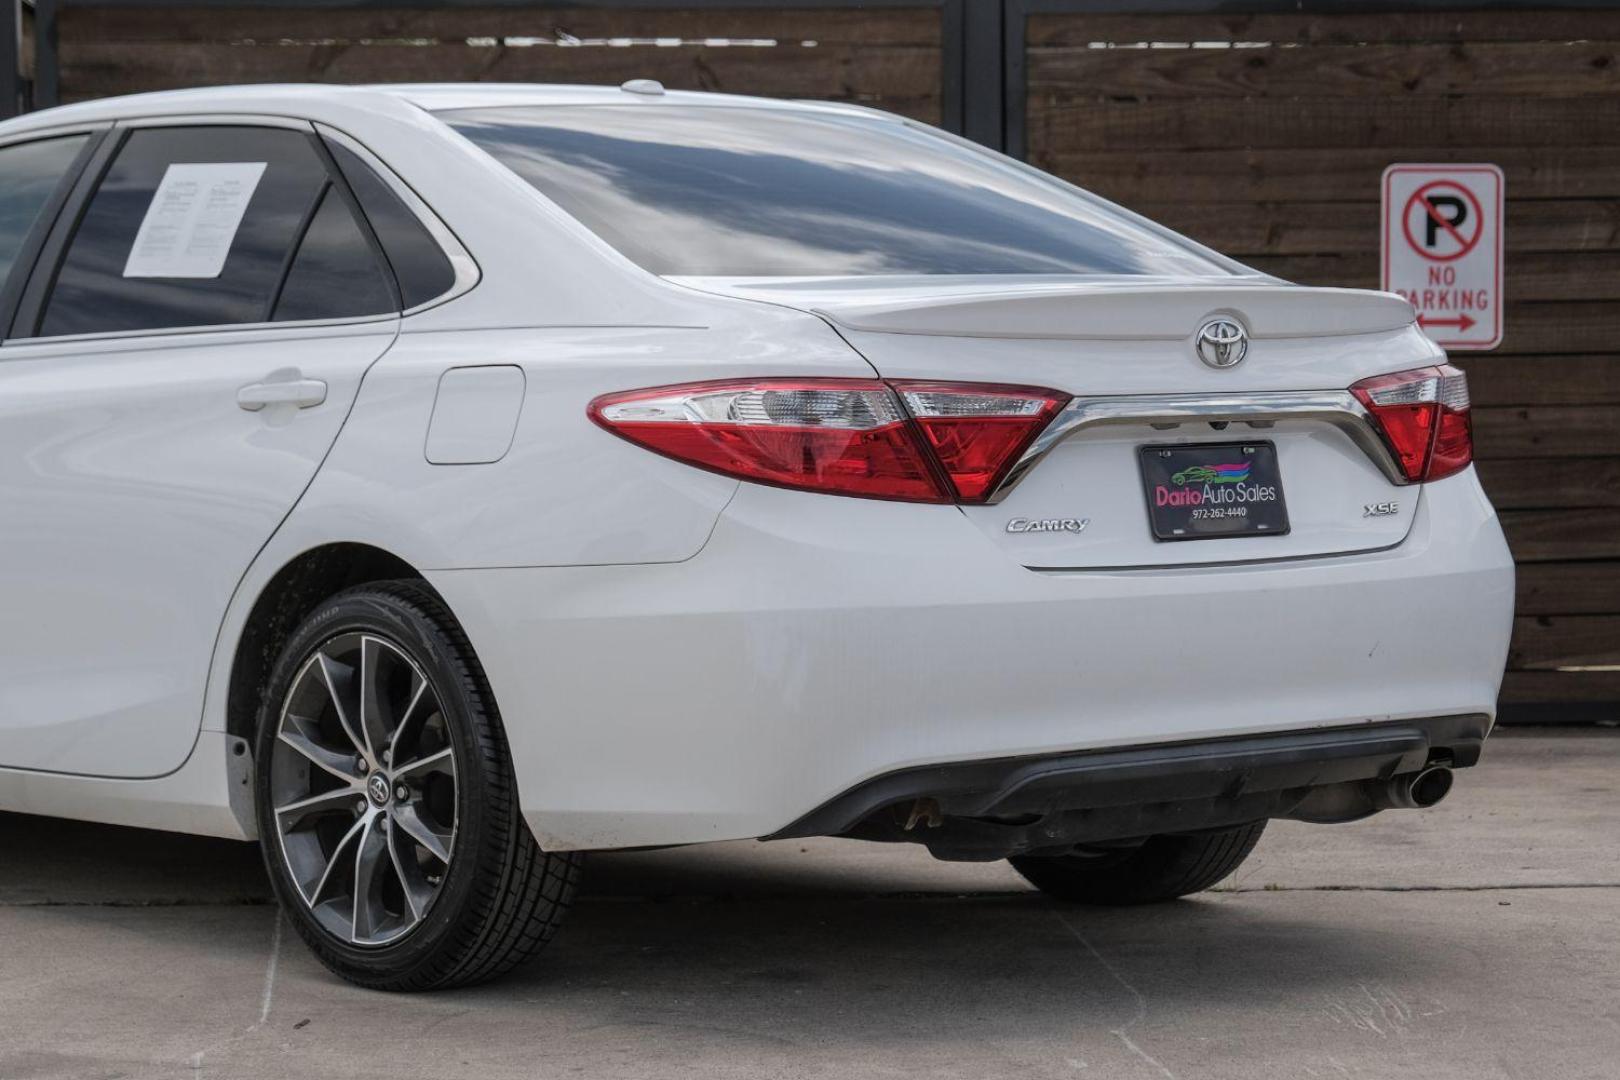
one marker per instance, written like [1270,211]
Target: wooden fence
[885,56]
[1261,132]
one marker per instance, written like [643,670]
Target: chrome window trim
[205,328]
[46,134]
[1336,407]
[207,337]
[467,273]
[216,120]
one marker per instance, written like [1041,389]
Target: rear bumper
[817,642]
[1004,806]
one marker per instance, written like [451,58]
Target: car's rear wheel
[1159,868]
[386,803]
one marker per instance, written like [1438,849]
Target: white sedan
[435,483]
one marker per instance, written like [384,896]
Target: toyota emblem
[1222,343]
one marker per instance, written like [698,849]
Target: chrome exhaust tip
[1415,791]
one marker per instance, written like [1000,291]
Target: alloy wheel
[363,788]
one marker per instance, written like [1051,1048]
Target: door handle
[304,393]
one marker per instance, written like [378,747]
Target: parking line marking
[1141,1002]
[270,970]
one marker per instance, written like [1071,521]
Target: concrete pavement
[1477,940]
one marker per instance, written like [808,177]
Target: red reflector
[1424,416]
[841,436]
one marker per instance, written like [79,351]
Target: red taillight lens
[977,432]
[1424,416]
[842,436]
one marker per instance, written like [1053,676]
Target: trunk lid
[1125,349]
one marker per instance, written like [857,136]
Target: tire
[404,795]
[1162,868]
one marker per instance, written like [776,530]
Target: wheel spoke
[437,842]
[418,692]
[344,677]
[439,761]
[375,721]
[337,860]
[418,893]
[299,733]
[300,810]
[369,859]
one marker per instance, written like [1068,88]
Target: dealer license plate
[1209,490]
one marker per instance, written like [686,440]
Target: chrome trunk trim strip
[1337,407]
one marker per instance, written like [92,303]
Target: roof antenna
[647,87]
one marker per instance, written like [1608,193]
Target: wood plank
[1498,379]
[1551,483]
[1583,588]
[876,69]
[1402,71]
[1541,431]
[1309,227]
[1544,642]
[1162,174]
[1549,327]
[1528,275]
[1446,126]
[1538,687]
[1562,535]
[876,74]
[853,25]
[1415,26]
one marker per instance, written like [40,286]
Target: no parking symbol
[1442,249]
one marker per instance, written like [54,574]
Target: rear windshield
[745,192]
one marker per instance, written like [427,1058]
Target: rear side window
[29,175]
[419,264]
[336,273]
[213,226]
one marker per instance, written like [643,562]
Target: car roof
[315,100]
[438,96]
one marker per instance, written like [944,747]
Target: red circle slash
[1419,198]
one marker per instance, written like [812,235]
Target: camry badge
[1222,343]
[1039,525]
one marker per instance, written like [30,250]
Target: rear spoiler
[1116,308]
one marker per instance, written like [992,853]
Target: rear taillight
[920,442]
[1424,417]
[977,432]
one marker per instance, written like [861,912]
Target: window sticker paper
[192,221]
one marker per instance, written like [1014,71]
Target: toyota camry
[437,483]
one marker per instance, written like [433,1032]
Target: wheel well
[296,590]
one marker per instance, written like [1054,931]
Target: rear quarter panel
[567,493]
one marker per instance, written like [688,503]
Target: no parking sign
[1442,245]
